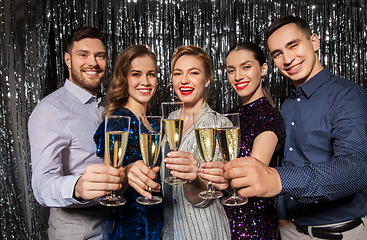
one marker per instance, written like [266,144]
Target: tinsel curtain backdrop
[32,44]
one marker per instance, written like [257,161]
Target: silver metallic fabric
[32,45]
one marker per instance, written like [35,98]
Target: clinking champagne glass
[150,136]
[116,137]
[229,138]
[173,120]
[206,139]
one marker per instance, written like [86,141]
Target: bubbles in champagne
[150,147]
[116,142]
[229,140]
[206,141]
[173,130]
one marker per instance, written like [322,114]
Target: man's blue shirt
[324,169]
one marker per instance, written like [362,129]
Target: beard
[90,85]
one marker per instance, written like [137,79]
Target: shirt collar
[309,87]
[79,92]
[205,107]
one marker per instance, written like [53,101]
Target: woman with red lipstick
[133,84]
[186,216]
[262,136]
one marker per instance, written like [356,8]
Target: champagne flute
[206,139]
[229,138]
[150,135]
[173,119]
[116,137]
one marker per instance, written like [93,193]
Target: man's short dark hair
[301,24]
[82,33]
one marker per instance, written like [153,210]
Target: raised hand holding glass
[173,120]
[116,137]
[150,135]
[206,140]
[229,135]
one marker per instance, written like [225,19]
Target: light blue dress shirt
[61,130]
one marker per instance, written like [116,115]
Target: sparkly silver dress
[182,220]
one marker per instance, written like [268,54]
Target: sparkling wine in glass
[229,138]
[116,138]
[206,139]
[173,120]
[150,136]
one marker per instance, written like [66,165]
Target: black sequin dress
[256,219]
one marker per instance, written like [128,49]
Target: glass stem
[234,192]
[150,191]
[174,177]
[149,188]
[210,187]
[113,194]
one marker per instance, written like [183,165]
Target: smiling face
[294,54]
[189,80]
[142,80]
[245,74]
[87,64]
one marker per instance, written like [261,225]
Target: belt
[331,232]
[92,208]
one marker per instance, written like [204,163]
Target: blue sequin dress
[256,219]
[132,220]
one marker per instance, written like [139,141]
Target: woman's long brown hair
[117,94]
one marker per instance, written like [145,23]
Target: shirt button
[292,123]
[291,198]
[175,201]
[290,149]
[298,99]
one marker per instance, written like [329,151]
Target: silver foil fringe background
[32,43]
